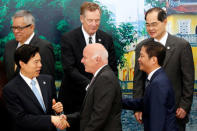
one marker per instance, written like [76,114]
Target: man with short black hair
[29,96]
[158,103]
[178,65]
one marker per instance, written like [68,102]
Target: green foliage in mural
[155,3]
[123,35]
[54,17]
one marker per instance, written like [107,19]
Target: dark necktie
[90,83]
[90,40]
[147,82]
[37,94]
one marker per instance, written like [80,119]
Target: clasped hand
[61,120]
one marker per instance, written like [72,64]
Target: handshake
[59,121]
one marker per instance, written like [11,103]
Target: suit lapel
[43,90]
[12,50]
[152,78]
[170,47]
[34,40]
[98,37]
[81,40]
[155,74]
[28,92]
[91,87]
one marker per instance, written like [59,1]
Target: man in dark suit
[29,95]
[75,80]
[23,28]
[101,109]
[178,65]
[158,103]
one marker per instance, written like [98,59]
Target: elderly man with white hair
[23,26]
[101,109]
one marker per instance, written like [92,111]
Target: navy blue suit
[24,107]
[158,104]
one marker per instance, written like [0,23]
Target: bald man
[101,109]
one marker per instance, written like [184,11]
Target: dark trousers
[181,125]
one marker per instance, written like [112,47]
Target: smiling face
[90,21]
[21,29]
[145,62]
[155,28]
[32,68]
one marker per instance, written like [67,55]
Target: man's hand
[180,113]
[59,122]
[57,107]
[64,120]
[138,116]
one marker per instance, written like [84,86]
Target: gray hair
[28,17]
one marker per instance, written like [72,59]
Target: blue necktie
[37,94]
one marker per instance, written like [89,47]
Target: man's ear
[154,59]
[21,63]
[98,59]
[82,19]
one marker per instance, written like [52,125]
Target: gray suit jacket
[101,109]
[46,53]
[75,80]
[179,67]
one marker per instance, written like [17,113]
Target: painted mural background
[123,19]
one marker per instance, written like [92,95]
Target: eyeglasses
[154,24]
[19,28]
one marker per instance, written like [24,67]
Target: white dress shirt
[86,36]
[152,72]
[27,41]
[163,39]
[28,81]
[95,74]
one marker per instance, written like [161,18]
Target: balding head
[94,57]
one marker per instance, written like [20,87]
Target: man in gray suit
[178,65]
[23,25]
[101,109]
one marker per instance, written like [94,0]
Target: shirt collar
[95,74]
[163,39]
[151,74]
[28,80]
[27,41]
[86,35]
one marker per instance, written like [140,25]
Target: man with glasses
[23,25]
[75,80]
[178,65]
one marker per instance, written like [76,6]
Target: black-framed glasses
[20,28]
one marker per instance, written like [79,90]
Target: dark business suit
[75,80]
[157,105]
[46,53]
[179,67]
[101,109]
[5,117]
[24,107]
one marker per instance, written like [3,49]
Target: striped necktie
[90,40]
[147,82]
